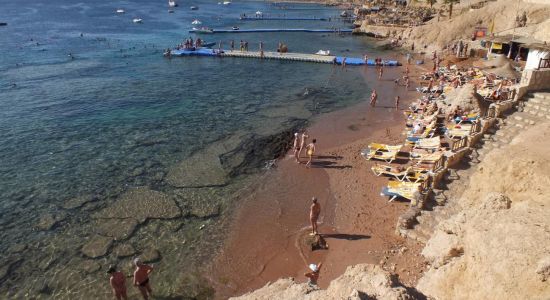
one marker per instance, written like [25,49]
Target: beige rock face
[504,228]
[357,282]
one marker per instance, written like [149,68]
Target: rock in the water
[49,221]
[201,169]
[18,248]
[76,202]
[150,255]
[124,250]
[119,229]
[90,266]
[543,268]
[97,246]
[496,201]
[142,204]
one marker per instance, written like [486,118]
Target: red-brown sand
[267,235]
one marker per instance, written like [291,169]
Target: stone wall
[533,80]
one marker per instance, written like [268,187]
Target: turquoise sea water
[78,134]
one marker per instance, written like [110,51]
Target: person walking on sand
[141,278]
[118,283]
[313,276]
[296,146]
[314,212]
[310,150]
[380,72]
[303,143]
[373,98]
[397,98]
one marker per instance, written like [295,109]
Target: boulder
[124,250]
[543,268]
[496,201]
[441,248]
[150,255]
[142,204]
[89,266]
[76,202]
[97,246]
[49,221]
[119,229]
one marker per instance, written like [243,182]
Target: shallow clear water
[120,116]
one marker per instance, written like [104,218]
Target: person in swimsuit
[310,150]
[141,278]
[373,98]
[118,283]
[397,98]
[296,146]
[303,143]
[314,212]
[380,72]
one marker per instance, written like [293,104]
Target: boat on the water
[235,28]
[3,24]
[120,11]
[203,30]
[137,20]
[344,14]
[196,22]
[323,52]
[194,7]
[226,2]
[172,3]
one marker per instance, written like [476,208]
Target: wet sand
[268,232]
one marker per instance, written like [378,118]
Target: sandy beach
[268,233]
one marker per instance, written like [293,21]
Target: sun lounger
[428,143]
[460,130]
[383,152]
[388,170]
[396,189]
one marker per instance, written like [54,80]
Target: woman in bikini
[310,150]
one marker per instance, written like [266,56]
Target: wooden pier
[302,57]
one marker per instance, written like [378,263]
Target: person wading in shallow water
[314,212]
[118,283]
[310,150]
[313,276]
[296,146]
[373,98]
[141,278]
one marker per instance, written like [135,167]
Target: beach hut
[538,57]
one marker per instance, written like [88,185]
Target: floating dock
[304,57]
[344,30]
[280,19]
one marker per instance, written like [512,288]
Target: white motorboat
[137,20]
[194,7]
[226,2]
[323,52]
[120,11]
[172,3]
[196,22]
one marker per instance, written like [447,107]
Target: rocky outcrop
[358,282]
[497,246]
[97,246]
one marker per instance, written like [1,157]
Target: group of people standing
[117,280]
[299,145]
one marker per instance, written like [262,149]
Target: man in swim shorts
[296,146]
[141,278]
[314,212]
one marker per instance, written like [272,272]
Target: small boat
[137,20]
[203,30]
[3,24]
[172,3]
[226,2]
[323,52]
[259,13]
[235,28]
[194,7]
[196,22]
[120,11]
